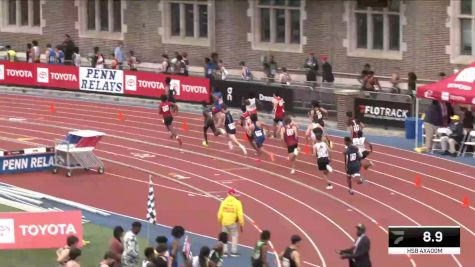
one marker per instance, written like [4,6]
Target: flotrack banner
[379,112]
[35,230]
[101,80]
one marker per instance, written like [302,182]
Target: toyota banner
[103,81]
[387,113]
[37,230]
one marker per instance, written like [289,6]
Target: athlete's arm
[160,110]
[174,107]
[264,256]
[296,131]
[370,145]
[296,257]
[282,131]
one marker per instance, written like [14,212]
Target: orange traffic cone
[465,202]
[184,126]
[418,182]
[52,109]
[120,116]
[306,150]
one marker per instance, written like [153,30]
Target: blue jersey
[352,155]
[259,134]
[217,97]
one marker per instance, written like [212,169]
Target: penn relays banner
[106,81]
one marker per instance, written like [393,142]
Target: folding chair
[470,142]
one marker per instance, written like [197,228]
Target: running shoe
[234,255]
[292,171]
[351,192]
[243,148]
[205,144]
[296,151]
[272,158]
[329,186]
[230,145]
[329,168]
[179,141]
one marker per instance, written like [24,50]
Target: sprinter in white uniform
[360,142]
[322,151]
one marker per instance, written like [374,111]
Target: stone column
[345,101]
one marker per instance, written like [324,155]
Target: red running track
[283,203]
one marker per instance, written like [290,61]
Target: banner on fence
[235,91]
[386,113]
[26,163]
[36,230]
[101,80]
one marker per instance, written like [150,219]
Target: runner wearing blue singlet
[230,128]
[352,162]
[256,130]
[218,116]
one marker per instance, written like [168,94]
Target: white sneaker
[329,187]
[292,171]
[243,148]
[230,145]
[329,168]
[296,152]
[371,163]
[351,192]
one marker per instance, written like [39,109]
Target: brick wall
[425,34]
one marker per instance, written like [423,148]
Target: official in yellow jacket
[230,217]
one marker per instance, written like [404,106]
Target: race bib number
[352,156]
[319,114]
[285,262]
[258,133]
[165,108]
[231,126]
[356,128]
[290,132]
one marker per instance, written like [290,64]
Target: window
[101,18]
[20,16]
[466,25]
[187,20]
[278,23]
[374,28]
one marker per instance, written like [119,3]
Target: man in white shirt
[130,256]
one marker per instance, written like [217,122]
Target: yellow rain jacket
[230,211]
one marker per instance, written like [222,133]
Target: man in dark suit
[358,255]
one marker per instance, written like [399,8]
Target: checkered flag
[151,213]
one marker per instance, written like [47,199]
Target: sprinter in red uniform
[289,134]
[279,113]
[165,109]
[354,125]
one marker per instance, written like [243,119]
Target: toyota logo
[43,74]
[130,82]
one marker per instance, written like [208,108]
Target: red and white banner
[28,230]
[148,84]
[131,83]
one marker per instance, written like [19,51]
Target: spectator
[114,62]
[119,55]
[395,81]
[130,256]
[63,253]
[312,65]
[222,70]
[116,248]
[68,47]
[442,75]
[411,83]
[246,73]
[50,55]
[11,54]
[214,58]
[36,52]
[165,66]
[180,66]
[150,259]
[216,255]
[187,62]
[209,68]
[291,256]
[284,77]
[73,256]
[29,53]
[173,62]
[447,112]
[432,121]
[467,118]
[98,59]
[364,73]
[259,254]
[76,57]
[202,260]
[162,240]
[371,83]
[59,55]
[133,61]
[162,255]
[266,66]
[173,244]
[108,261]
[230,217]
[327,72]
[273,66]
[358,255]
[454,137]
[169,91]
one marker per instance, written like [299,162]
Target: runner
[217,253]
[259,254]
[354,125]
[251,104]
[290,257]
[289,133]
[310,133]
[279,112]
[209,123]
[360,142]
[170,92]
[230,128]
[352,162]
[165,109]
[218,116]
[257,135]
[317,113]
[322,151]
